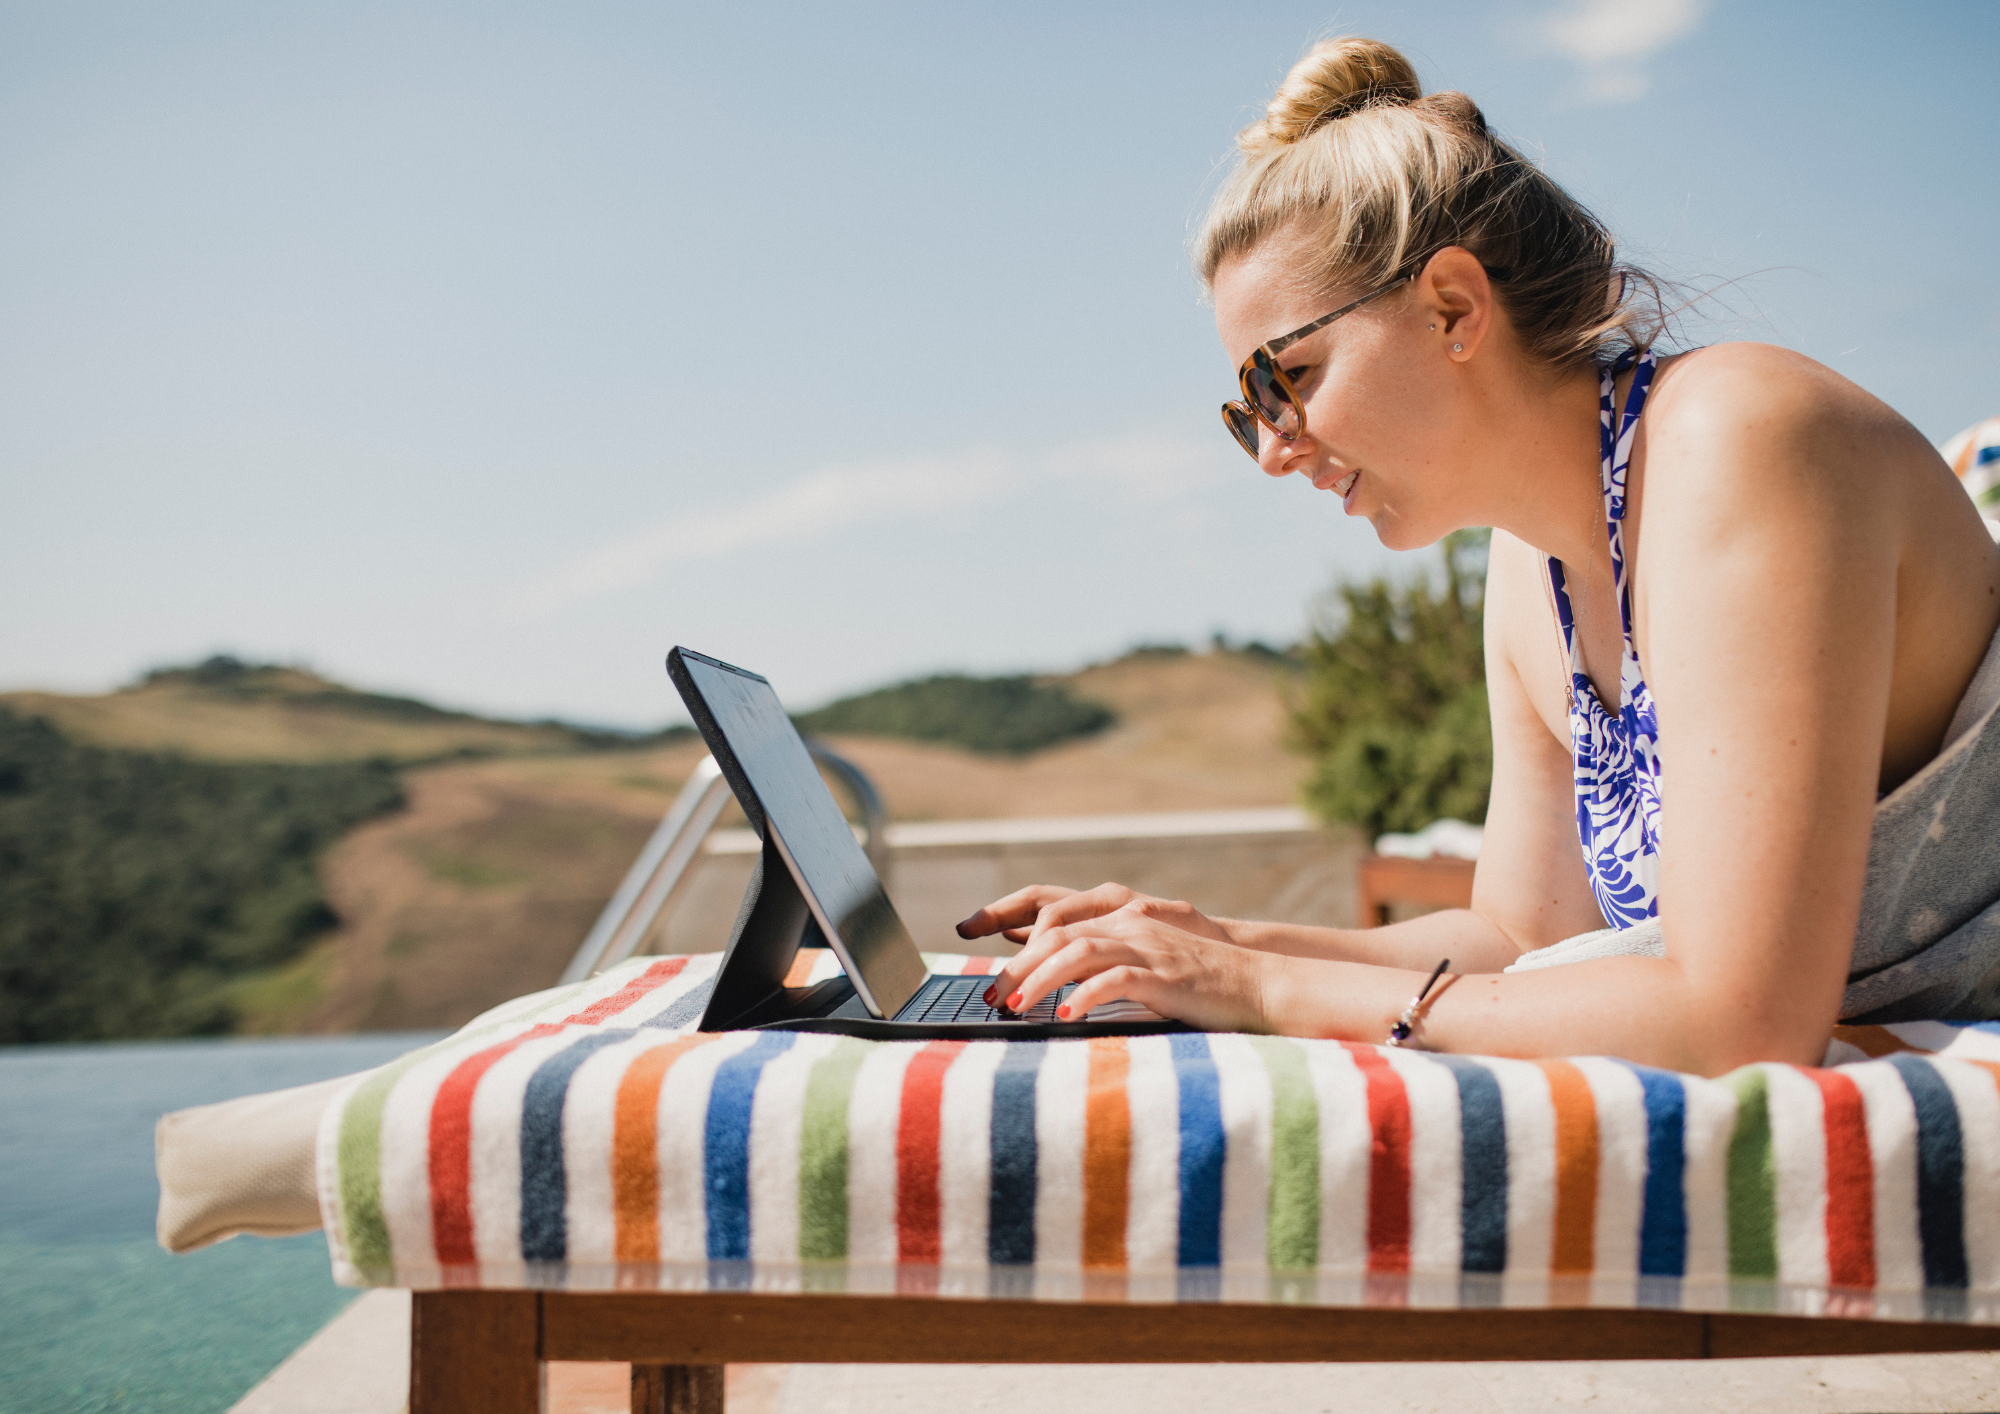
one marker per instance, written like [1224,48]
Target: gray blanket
[1928,943]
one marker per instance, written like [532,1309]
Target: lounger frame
[481,1352]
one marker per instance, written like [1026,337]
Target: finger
[1079,958]
[1005,989]
[1113,983]
[1017,910]
[1082,906]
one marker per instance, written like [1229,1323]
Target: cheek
[1376,407]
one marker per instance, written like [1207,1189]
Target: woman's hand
[1019,915]
[1136,949]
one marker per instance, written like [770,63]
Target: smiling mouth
[1341,487]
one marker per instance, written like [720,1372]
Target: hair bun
[1336,77]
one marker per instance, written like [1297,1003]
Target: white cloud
[1611,39]
[804,509]
[835,497]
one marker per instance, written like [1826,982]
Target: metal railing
[678,838]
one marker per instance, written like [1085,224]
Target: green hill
[182,856]
[1010,716]
[137,888]
[224,709]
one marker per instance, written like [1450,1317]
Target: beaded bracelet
[1413,1014]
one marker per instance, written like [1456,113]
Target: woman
[1733,602]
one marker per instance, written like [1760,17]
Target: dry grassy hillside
[277,714]
[483,887]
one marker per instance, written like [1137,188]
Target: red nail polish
[989,996]
[1014,1002]
[1063,1011]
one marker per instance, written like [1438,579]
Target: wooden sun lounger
[480,1352]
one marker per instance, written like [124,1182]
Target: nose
[1274,454]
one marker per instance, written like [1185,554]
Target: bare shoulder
[1738,419]
[1761,397]
[1749,377]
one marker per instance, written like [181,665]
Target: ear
[1454,293]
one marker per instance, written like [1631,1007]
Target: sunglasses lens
[1242,426]
[1269,396]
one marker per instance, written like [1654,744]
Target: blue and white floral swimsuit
[1617,756]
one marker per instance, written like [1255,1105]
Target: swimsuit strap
[1616,433]
[1616,459]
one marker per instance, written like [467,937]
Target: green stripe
[823,1153]
[1753,1179]
[1291,1230]
[360,1159]
[358,1152]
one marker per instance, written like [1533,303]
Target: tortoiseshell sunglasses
[1268,394]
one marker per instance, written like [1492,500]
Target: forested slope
[137,890]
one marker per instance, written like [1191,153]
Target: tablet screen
[827,861]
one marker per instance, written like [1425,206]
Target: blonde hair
[1378,177]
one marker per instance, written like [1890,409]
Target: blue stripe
[1203,1148]
[726,1145]
[1663,1228]
[1482,1126]
[1010,1203]
[544,1181]
[1989,454]
[1940,1173]
[685,1008]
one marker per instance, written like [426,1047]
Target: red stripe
[978,966]
[654,977]
[451,1150]
[1850,1183]
[451,1114]
[1388,1162]
[917,1204]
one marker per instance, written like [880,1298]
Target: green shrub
[1008,715]
[1391,704]
[134,887]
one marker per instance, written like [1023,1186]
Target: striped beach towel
[1974,455]
[588,1138]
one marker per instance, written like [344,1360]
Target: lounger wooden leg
[675,1389]
[475,1352]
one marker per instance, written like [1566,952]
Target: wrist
[1300,996]
[1236,931]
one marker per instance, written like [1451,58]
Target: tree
[1391,706]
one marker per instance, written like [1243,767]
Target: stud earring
[1458,348]
[1434,328]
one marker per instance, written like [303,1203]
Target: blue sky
[484,351]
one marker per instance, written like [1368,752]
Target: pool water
[93,1314]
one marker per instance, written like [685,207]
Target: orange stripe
[1575,1247]
[1107,1153]
[1874,1042]
[635,1150]
[803,963]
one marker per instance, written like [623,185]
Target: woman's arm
[1530,888]
[1775,508]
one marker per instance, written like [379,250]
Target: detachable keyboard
[954,1007]
[947,1000]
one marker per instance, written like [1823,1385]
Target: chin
[1396,534]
